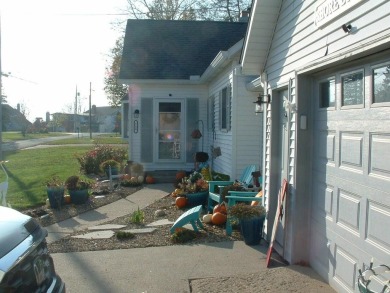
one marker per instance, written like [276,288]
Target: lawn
[29,169]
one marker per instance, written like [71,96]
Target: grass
[17,135]
[28,170]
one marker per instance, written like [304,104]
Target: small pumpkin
[67,198]
[181,202]
[207,218]
[221,208]
[218,218]
[149,179]
[140,179]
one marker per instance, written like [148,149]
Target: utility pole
[75,109]
[90,122]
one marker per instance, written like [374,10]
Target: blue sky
[52,46]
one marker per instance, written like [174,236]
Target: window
[210,114]
[352,89]
[224,110]
[381,84]
[327,93]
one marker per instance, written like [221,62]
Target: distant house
[185,76]
[13,119]
[103,120]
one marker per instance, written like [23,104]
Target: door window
[169,134]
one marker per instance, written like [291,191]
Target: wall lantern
[136,114]
[347,28]
[261,100]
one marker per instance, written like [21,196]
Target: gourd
[180,175]
[218,218]
[207,218]
[67,198]
[181,202]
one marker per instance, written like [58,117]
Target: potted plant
[251,219]
[194,188]
[78,189]
[115,166]
[55,191]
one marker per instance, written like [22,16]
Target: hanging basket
[196,134]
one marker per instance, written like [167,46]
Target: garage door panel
[379,155]
[322,204]
[349,211]
[346,270]
[378,213]
[351,151]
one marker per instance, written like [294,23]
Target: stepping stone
[141,231]
[160,223]
[106,227]
[96,235]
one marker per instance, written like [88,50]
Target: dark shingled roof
[173,49]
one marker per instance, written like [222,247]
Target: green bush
[91,160]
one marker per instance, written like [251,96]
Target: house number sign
[328,10]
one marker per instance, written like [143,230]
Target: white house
[183,76]
[326,66]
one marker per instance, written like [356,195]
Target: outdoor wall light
[347,27]
[261,100]
[136,114]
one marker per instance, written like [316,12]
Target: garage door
[350,219]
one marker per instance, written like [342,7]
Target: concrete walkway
[211,267]
[122,207]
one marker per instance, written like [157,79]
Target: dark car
[25,263]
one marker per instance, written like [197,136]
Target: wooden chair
[216,187]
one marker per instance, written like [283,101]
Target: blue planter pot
[252,230]
[198,198]
[79,196]
[56,197]
[114,171]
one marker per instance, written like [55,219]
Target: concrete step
[163,176]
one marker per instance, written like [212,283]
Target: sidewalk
[142,198]
[210,267]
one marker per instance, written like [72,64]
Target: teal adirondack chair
[245,180]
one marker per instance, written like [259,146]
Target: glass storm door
[170,124]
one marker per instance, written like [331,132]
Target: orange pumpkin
[181,202]
[218,218]
[221,208]
[180,175]
[150,180]
[67,198]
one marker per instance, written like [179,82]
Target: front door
[170,131]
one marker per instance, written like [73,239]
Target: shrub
[91,160]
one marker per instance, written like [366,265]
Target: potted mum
[55,188]
[251,220]
[78,189]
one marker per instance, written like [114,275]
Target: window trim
[330,108]
[372,68]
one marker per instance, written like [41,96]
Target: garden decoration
[106,165]
[78,189]
[374,279]
[55,188]
[4,186]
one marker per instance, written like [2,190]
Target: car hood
[14,228]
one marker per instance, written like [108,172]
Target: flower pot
[79,196]
[197,198]
[56,197]
[252,230]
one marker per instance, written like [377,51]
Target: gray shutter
[192,121]
[146,130]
